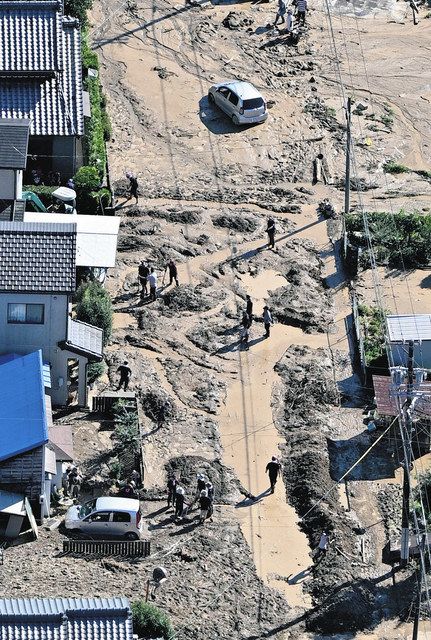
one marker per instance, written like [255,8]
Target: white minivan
[108,516]
[240,101]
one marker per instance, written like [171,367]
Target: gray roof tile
[14,143]
[53,103]
[65,619]
[84,338]
[37,257]
[25,27]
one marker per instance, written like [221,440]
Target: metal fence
[125,548]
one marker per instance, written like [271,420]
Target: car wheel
[211,98]
[235,119]
[131,536]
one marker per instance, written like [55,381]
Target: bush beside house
[94,306]
[150,622]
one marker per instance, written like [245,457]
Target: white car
[240,101]
[107,517]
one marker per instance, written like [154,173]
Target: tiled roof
[36,257]
[25,26]
[84,339]
[65,619]
[386,397]
[53,103]
[13,143]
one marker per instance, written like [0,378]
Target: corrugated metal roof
[37,257]
[409,327]
[96,241]
[65,619]
[84,338]
[12,210]
[31,35]
[386,401]
[53,104]
[23,405]
[14,143]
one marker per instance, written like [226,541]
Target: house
[14,136]
[66,619]
[27,462]
[37,279]
[403,328]
[96,238]
[41,80]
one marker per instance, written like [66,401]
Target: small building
[96,238]
[27,462]
[403,328]
[37,280]
[66,619]
[14,135]
[41,80]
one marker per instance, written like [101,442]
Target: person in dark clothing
[249,308]
[125,372]
[173,272]
[143,273]
[245,320]
[267,321]
[273,468]
[270,230]
[133,185]
[128,490]
[179,501]
[205,505]
[172,486]
[210,492]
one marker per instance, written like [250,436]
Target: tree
[150,622]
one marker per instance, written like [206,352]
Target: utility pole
[407,426]
[348,107]
[419,594]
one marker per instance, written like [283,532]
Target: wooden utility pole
[419,595]
[407,426]
[348,145]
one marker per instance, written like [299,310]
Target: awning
[12,503]
[61,440]
[84,340]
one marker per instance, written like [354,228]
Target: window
[19,313]
[100,516]
[120,516]
[253,103]
[224,91]
[233,98]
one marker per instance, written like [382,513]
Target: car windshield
[87,508]
[253,103]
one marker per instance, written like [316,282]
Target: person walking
[267,320]
[281,12]
[125,373]
[270,230]
[301,6]
[133,186]
[172,486]
[322,547]
[289,21]
[249,308]
[180,497]
[143,273]
[204,504]
[152,281]
[210,492]
[173,272]
[273,469]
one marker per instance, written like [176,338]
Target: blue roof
[23,422]
[7,357]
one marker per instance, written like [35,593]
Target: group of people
[129,488]
[148,278]
[301,10]
[71,482]
[183,504]
[247,321]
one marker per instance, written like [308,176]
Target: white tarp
[96,242]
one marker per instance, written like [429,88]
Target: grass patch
[395,167]
[372,325]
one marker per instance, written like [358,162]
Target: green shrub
[87,179]
[89,197]
[394,167]
[95,307]
[44,192]
[372,324]
[89,57]
[150,622]
[94,371]
[424,174]
[78,9]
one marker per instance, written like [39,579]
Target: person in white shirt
[323,545]
[289,21]
[152,281]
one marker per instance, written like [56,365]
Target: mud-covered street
[209,405]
